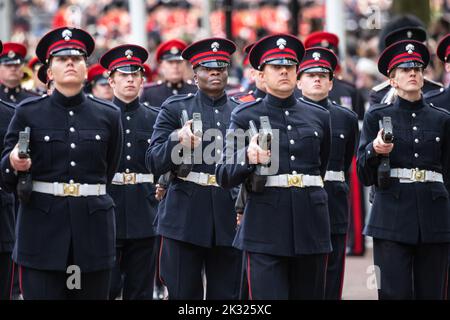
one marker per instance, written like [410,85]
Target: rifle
[258,178]
[25,184]
[384,169]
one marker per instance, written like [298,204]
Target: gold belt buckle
[418,175]
[295,181]
[71,189]
[212,180]
[129,178]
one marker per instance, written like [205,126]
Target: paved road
[356,278]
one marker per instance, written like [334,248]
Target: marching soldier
[441,97]
[401,28]
[7,216]
[196,218]
[11,73]
[315,82]
[97,83]
[66,224]
[132,187]
[346,94]
[172,67]
[285,230]
[409,222]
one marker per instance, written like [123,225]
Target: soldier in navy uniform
[285,231]
[346,94]
[172,67]
[441,97]
[404,27]
[97,83]
[132,187]
[11,73]
[315,81]
[196,219]
[66,226]
[7,216]
[409,222]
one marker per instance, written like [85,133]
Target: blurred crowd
[109,22]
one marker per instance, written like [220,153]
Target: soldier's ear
[447,67]
[50,73]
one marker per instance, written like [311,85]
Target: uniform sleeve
[235,167]
[367,159]
[115,147]
[164,138]
[325,146]
[9,176]
[446,156]
[351,146]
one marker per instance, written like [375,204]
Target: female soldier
[410,220]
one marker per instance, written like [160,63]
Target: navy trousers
[336,268]
[5,275]
[411,271]
[286,278]
[134,270]
[184,267]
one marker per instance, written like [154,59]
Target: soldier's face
[211,80]
[67,70]
[172,71]
[315,86]
[103,91]
[280,80]
[126,86]
[407,79]
[447,67]
[11,74]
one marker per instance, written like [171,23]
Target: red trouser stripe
[356,209]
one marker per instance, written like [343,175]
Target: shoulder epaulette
[177,97]
[103,102]
[353,113]
[379,106]
[31,100]
[381,86]
[9,105]
[434,93]
[436,83]
[313,104]
[152,108]
[246,105]
[439,109]
[153,84]
[243,98]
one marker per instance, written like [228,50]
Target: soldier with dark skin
[409,221]
[196,219]
[67,225]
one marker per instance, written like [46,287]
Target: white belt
[294,180]
[416,175]
[203,179]
[132,178]
[335,176]
[69,189]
